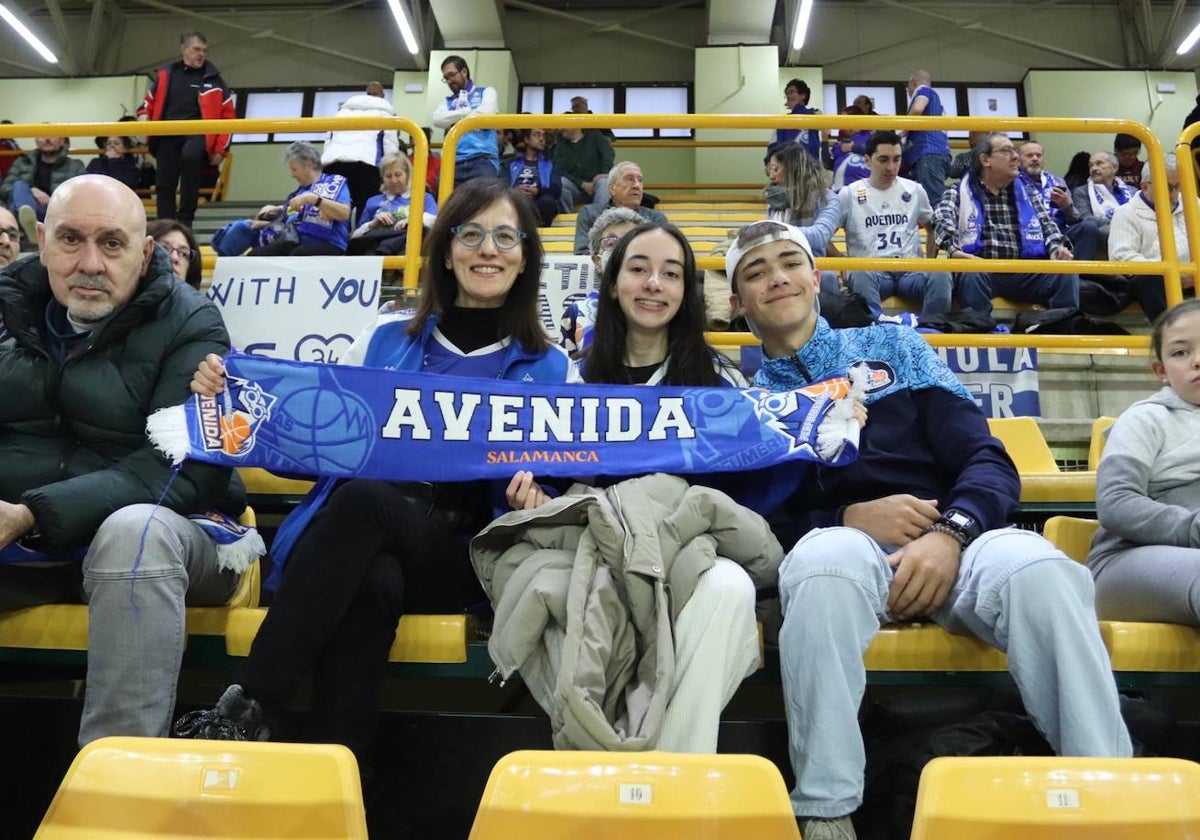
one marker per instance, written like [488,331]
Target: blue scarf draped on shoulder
[971,219]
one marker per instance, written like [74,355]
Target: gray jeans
[136,632]
[1015,591]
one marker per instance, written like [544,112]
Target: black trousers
[363,180]
[180,161]
[315,248]
[372,553]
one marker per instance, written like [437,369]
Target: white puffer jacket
[367,146]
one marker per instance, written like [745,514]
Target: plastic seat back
[1058,799]
[1100,427]
[165,788]
[630,796]
[1023,440]
[1071,535]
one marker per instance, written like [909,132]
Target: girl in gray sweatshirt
[1145,556]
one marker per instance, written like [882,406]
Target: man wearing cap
[915,528]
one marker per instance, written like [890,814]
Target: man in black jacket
[95,335]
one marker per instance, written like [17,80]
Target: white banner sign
[308,309]
[565,279]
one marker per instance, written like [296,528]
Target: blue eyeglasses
[471,235]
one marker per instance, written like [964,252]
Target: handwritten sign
[307,309]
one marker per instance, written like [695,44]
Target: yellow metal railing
[1169,267]
[160,128]
[1187,184]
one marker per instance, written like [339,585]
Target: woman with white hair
[318,211]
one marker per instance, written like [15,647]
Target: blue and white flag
[338,421]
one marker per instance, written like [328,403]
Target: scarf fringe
[168,432]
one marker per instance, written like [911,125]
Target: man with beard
[95,334]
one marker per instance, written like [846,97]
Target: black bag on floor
[962,321]
[1105,295]
[1063,321]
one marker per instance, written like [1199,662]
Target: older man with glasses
[991,214]
[10,237]
[1133,237]
[477,155]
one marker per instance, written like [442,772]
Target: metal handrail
[308,125]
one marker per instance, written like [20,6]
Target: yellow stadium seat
[1100,428]
[1025,444]
[259,482]
[65,626]
[1041,479]
[1036,798]
[1072,536]
[1132,645]
[419,638]
[163,788]
[631,796]
[927,647]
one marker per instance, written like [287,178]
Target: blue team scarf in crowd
[343,422]
[971,219]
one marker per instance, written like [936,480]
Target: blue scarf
[971,220]
[345,422]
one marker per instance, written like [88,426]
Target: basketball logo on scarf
[230,430]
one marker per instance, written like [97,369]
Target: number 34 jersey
[884,223]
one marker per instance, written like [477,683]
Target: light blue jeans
[1014,591]
[22,195]
[934,289]
[572,195]
[136,632]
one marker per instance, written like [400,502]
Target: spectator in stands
[579,105]
[625,185]
[476,155]
[649,331]
[1146,554]
[7,144]
[537,177]
[356,155]
[1126,147]
[116,160]
[914,528]
[991,215]
[865,105]
[180,244]
[579,315]
[961,164]
[188,89]
[1102,194]
[433,166]
[10,237]
[796,93]
[1077,173]
[318,210]
[584,158]
[1193,117]
[1134,237]
[94,337]
[1083,233]
[380,549]
[34,177]
[926,153]
[797,195]
[883,216]
[848,153]
[385,223]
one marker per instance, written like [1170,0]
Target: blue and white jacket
[924,434]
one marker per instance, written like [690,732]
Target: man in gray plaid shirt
[991,215]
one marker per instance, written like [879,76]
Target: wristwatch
[959,524]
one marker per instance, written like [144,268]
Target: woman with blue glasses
[357,554]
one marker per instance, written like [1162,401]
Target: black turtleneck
[470,329]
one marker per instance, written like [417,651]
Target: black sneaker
[236,717]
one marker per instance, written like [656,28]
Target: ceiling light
[406,32]
[801,29]
[29,37]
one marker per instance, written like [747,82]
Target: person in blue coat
[537,177]
[357,554]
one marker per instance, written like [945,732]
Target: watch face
[960,519]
